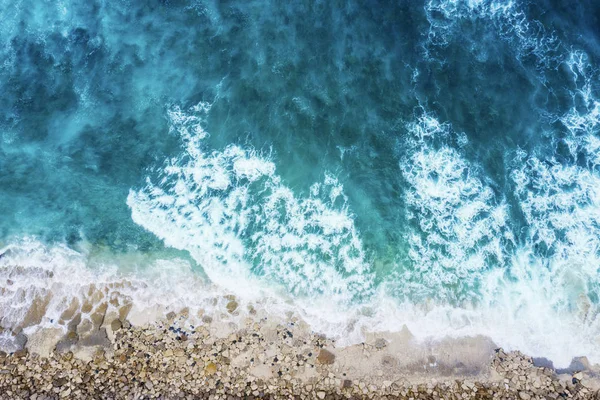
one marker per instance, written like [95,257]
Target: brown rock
[179,352]
[87,307]
[70,311]
[85,328]
[72,335]
[99,313]
[20,353]
[98,338]
[72,325]
[20,340]
[36,311]
[210,369]
[58,382]
[232,306]
[116,325]
[124,311]
[325,357]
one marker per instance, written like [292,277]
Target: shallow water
[428,163]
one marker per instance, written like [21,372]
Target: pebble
[156,362]
[325,357]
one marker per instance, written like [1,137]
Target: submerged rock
[116,325]
[232,306]
[380,343]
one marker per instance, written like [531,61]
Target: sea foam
[230,210]
[255,237]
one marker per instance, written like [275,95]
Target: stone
[20,340]
[36,311]
[232,306]
[116,325]
[98,315]
[85,328]
[97,338]
[210,369]
[20,353]
[325,357]
[179,352]
[87,307]
[124,312]
[58,382]
[155,361]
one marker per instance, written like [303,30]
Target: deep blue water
[429,152]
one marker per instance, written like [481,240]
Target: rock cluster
[175,360]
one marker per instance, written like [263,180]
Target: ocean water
[367,164]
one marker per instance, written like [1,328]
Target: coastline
[300,200]
[264,356]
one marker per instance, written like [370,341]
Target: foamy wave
[582,120]
[254,236]
[231,212]
[534,294]
[529,38]
[547,296]
[561,204]
[443,14]
[47,286]
[462,228]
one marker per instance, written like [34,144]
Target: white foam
[253,235]
[443,14]
[58,274]
[550,278]
[249,231]
[523,298]
[462,227]
[582,120]
[528,37]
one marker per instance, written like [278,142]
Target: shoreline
[197,357]
[80,332]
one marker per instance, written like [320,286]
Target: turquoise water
[438,157]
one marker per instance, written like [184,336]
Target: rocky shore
[173,358]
